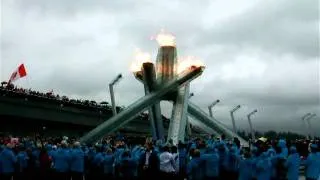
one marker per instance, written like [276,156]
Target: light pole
[303,118]
[211,106]
[114,110]
[250,124]
[189,130]
[232,118]
[308,123]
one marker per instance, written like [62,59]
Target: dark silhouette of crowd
[120,157]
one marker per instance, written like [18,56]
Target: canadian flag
[19,73]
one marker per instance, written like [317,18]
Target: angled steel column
[143,103]
[232,118]
[202,126]
[177,127]
[149,79]
[197,113]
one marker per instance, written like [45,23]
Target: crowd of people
[122,158]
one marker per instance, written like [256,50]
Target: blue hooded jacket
[8,160]
[108,163]
[264,167]
[195,170]
[211,160]
[293,164]
[245,169]
[22,159]
[61,160]
[313,164]
[77,160]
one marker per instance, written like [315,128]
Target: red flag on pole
[19,73]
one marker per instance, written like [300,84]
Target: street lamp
[114,110]
[307,118]
[232,118]
[211,106]
[188,126]
[250,124]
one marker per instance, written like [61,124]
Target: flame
[188,62]
[140,58]
[165,39]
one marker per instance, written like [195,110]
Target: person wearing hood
[211,162]
[8,160]
[245,167]
[282,144]
[195,168]
[22,159]
[263,167]
[128,167]
[293,164]
[313,163]
[108,164]
[77,162]
[61,159]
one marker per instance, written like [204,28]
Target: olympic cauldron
[167,80]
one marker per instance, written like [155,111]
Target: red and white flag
[19,73]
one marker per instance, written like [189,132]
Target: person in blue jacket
[245,167]
[263,167]
[61,160]
[8,160]
[195,168]
[211,161]
[97,164]
[22,159]
[293,164]
[108,164]
[77,162]
[128,167]
[312,163]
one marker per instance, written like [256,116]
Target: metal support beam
[155,117]
[197,113]
[178,120]
[143,103]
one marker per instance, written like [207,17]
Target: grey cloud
[77,47]
[282,27]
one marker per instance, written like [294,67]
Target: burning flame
[188,62]
[140,58]
[165,39]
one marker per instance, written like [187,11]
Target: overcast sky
[260,54]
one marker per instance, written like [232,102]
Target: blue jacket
[61,160]
[98,160]
[245,169]
[8,160]
[22,159]
[313,165]
[211,161]
[77,160]
[195,170]
[264,167]
[293,164]
[108,164]
[128,167]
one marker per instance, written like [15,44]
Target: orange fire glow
[140,58]
[165,39]
[188,62]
